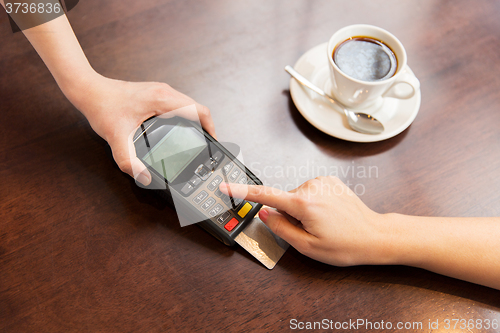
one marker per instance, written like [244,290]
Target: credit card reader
[187,165]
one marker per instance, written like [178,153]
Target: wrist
[61,52]
[399,240]
[79,88]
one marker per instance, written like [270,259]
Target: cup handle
[405,78]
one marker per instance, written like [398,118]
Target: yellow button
[244,210]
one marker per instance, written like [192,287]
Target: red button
[231,224]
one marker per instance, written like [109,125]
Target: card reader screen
[175,151]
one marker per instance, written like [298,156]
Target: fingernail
[263,214]
[143,179]
[223,185]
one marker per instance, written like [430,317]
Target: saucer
[395,114]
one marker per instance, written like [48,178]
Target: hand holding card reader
[187,165]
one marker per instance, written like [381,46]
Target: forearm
[60,50]
[463,248]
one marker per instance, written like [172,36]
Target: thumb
[282,227]
[139,171]
[126,159]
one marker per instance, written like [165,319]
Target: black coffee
[365,59]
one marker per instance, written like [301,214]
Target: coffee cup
[367,64]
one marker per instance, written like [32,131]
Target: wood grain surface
[83,250]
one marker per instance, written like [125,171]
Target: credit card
[258,240]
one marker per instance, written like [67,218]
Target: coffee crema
[365,59]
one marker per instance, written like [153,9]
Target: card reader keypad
[227,212]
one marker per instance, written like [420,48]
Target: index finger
[269,196]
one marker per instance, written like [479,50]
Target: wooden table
[83,250]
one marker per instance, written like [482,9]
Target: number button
[216,210]
[209,203]
[243,180]
[200,197]
[227,200]
[234,175]
[218,193]
[227,167]
[214,183]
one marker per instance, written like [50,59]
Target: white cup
[358,94]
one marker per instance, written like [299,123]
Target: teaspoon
[359,121]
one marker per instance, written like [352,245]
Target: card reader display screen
[175,151]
